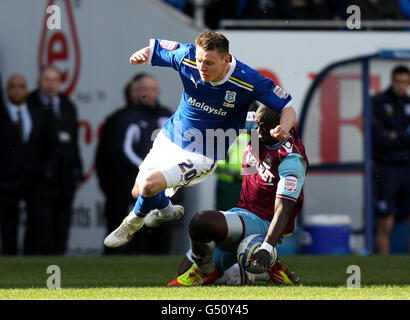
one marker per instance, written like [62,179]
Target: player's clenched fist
[140,57]
[279,133]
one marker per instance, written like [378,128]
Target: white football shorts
[181,168]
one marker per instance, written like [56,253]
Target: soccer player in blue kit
[218,90]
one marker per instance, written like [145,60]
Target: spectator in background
[25,148]
[66,167]
[391,151]
[125,141]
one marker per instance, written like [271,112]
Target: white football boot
[129,226]
[157,217]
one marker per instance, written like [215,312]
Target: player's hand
[140,57]
[279,133]
[261,259]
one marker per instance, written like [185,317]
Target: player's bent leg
[189,275]
[177,168]
[152,184]
[215,228]
[149,198]
[208,225]
[135,192]
[185,265]
[205,228]
[129,226]
[151,193]
[158,217]
[163,210]
[194,277]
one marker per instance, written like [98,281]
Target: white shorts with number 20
[180,167]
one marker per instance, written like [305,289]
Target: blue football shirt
[210,114]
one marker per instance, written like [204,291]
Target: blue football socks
[145,204]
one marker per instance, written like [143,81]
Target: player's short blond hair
[212,40]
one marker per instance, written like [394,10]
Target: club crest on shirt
[230,96]
[288,147]
[268,161]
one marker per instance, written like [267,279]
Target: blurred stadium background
[330,71]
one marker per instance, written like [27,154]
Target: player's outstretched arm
[141,56]
[287,120]
[283,210]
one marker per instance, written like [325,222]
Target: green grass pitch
[146,278]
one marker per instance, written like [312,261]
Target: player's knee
[152,184]
[198,224]
[135,192]
[149,188]
[201,225]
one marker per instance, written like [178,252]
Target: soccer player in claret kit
[271,197]
[218,90]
